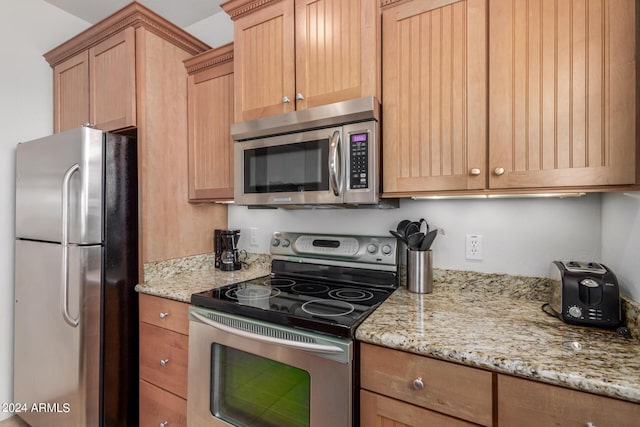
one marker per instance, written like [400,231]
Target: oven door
[244,372]
[297,168]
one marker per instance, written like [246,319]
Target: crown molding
[133,15]
[209,59]
[238,8]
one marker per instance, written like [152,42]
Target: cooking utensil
[428,240]
[402,226]
[400,236]
[424,222]
[412,228]
[414,240]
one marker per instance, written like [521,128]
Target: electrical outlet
[253,236]
[473,248]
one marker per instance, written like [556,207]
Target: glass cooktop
[324,306]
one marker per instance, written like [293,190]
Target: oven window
[302,166]
[249,390]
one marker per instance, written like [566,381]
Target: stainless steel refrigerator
[76,266]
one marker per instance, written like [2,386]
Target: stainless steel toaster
[585,293]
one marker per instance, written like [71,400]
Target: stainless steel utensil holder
[420,271]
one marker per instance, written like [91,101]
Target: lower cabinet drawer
[377,410]
[159,407]
[526,403]
[164,358]
[448,388]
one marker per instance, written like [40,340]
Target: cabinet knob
[286,100]
[299,97]
[164,424]
[163,315]
[418,384]
[498,171]
[590,425]
[163,362]
[474,172]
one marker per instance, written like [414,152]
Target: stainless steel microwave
[327,155]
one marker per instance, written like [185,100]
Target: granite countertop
[477,321]
[489,321]
[178,279]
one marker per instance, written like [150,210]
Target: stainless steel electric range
[279,350]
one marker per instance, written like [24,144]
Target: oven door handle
[314,348]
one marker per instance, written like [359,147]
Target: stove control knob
[372,248]
[386,249]
[275,242]
[286,243]
[575,311]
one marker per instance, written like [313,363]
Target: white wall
[28,28]
[621,239]
[520,236]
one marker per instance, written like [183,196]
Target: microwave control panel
[359,165]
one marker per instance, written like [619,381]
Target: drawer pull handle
[164,424]
[163,315]
[163,362]
[418,384]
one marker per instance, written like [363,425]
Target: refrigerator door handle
[73,322]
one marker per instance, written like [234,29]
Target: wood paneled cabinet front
[560,90]
[210,98]
[527,403]
[98,86]
[296,54]
[164,328]
[405,389]
[435,95]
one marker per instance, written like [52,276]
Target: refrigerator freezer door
[41,167]
[57,366]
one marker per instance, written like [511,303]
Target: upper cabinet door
[113,82]
[562,93]
[337,51]
[210,99]
[71,93]
[265,66]
[435,92]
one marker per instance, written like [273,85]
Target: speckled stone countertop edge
[507,336]
[178,279]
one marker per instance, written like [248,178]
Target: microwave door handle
[314,348]
[334,163]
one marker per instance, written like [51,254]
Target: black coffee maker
[225,246]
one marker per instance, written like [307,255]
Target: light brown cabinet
[296,54]
[409,389]
[435,94]
[164,328]
[528,403]
[558,101]
[562,100]
[97,86]
[210,97]
[130,68]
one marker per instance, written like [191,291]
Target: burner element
[327,308]
[310,288]
[270,281]
[347,294]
